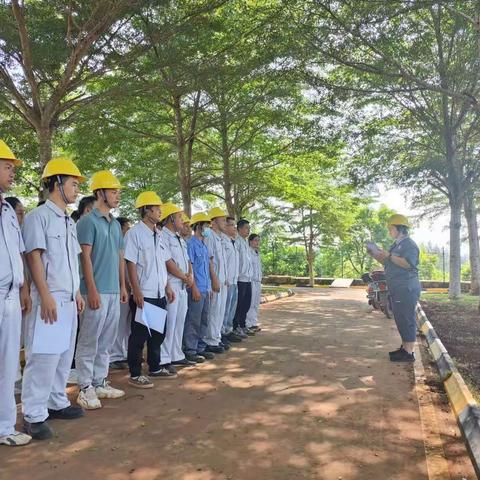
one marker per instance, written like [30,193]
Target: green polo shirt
[104,234]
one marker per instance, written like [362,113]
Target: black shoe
[195,358]
[68,413]
[231,337]
[171,368]
[207,355]
[185,362]
[397,351]
[214,349]
[38,430]
[118,365]
[403,356]
[224,345]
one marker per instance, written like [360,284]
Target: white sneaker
[15,439]
[87,398]
[72,377]
[106,391]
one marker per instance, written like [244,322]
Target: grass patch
[465,300]
[270,289]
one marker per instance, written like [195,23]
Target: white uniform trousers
[118,353]
[171,349]
[45,375]
[216,315]
[98,330]
[252,314]
[10,327]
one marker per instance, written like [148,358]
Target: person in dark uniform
[401,272]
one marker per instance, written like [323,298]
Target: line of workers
[70,289]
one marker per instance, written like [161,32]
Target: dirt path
[310,397]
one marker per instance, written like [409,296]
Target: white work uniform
[51,230]
[252,314]
[171,350]
[216,251]
[232,259]
[11,279]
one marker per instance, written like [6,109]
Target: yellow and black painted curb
[276,296]
[466,409]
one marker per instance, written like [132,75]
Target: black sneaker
[195,358]
[397,351]
[207,355]
[38,430]
[403,356]
[68,413]
[233,338]
[162,373]
[224,345]
[214,349]
[171,369]
[185,362]
[118,365]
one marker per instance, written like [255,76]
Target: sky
[424,231]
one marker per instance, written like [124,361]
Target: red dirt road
[312,396]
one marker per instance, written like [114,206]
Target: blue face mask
[207,231]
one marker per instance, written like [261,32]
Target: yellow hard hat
[169,209]
[199,217]
[398,219]
[105,179]
[185,218]
[216,212]
[7,154]
[62,166]
[146,199]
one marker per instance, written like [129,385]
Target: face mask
[207,231]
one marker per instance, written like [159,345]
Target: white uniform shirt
[231,257]
[216,251]
[245,262]
[177,248]
[11,246]
[145,248]
[256,266]
[50,229]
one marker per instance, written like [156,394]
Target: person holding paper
[180,278]
[52,254]
[102,283]
[199,294]
[14,298]
[401,272]
[146,257]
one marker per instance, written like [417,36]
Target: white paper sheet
[54,338]
[152,317]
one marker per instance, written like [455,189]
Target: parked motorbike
[377,292]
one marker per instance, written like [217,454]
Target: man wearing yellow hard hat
[103,286]
[147,257]
[199,294]
[216,250]
[52,254]
[11,284]
[401,272]
[180,277]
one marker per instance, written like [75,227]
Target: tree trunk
[311,253]
[470,211]
[227,177]
[44,137]
[454,289]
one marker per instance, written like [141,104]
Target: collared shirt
[145,248]
[256,265]
[216,251]
[403,277]
[50,229]
[198,254]
[11,242]
[245,262]
[231,259]
[178,251]
[106,240]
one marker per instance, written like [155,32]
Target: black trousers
[139,335]
[243,304]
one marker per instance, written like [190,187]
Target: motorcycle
[377,292]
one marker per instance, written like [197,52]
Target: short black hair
[402,229]
[123,221]
[51,181]
[229,219]
[13,201]
[198,224]
[84,203]
[242,222]
[253,236]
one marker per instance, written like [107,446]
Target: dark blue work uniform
[404,287]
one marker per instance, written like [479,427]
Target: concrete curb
[466,409]
[276,296]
